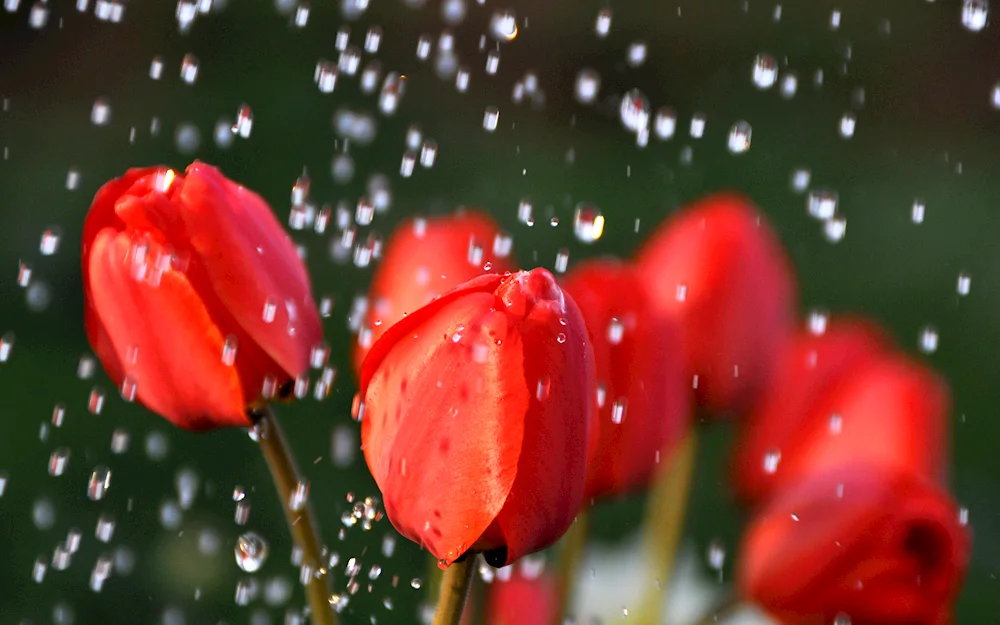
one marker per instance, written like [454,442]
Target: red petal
[719,269]
[162,338]
[445,403]
[883,547]
[252,264]
[810,369]
[423,259]
[639,362]
[522,601]
[558,367]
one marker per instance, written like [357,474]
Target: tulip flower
[718,269]
[811,368]
[868,544]
[522,601]
[198,305]
[196,301]
[425,258]
[642,396]
[888,412]
[476,418]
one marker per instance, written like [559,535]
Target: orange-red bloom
[862,404]
[877,545]
[720,271]
[196,301]
[810,368]
[424,258]
[522,601]
[642,392]
[477,412]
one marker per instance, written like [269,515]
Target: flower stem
[281,462]
[455,584]
[568,562]
[665,512]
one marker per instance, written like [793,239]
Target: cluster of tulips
[497,403]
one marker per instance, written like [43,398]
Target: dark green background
[926,130]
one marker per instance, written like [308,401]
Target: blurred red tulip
[718,269]
[522,601]
[869,544]
[425,258]
[811,368]
[196,301]
[887,412]
[476,418]
[642,391]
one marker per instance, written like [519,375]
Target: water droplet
[603,24]
[562,261]
[492,61]
[917,211]
[99,483]
[6,345]
[847,124]
[588,85]
[928,339]
[50,242]
[835,228]
[789,85]
[772,458]
[325,76]
[716,555]
[105,528]
[491,117]
[765,71]
[588,222]
[818,320]
[739,137]
[251,552]
[503,26]
[665,123]
[100,114]
[244,121]
[698,121]
[822,203]
[619,408]
[636,54]
[975,14]
[96,400]
[299,497]
[800,179]
[964,284]
[634,110]
[189,69]
[58,461]
[428,153]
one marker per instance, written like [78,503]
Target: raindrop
[96,400]
[739,137]
[771,460]
[588,223]
[765,71]
[822,203]
[373,39]
[603,25]
[847,124]
[58,461]
[917,211]
[995,96]
[492,61]
[189,69]
[325,76]
[698,121]
[105,528]
[964,284]
[50,242]
[835,228]
[244,121]
[618,409]
[634,110]
[975,14]
[636,54]
[428,153]
[251,552]
[800,180]
[665,123]
[928,339]
[157,446]
[588,85]
[58,415]
[43,514]
[100,114]
[818,320]
[716,555]
[562,261]
[99,483]
[789,85]
[6,345]
[503,26]
[491,118]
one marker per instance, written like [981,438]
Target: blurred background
[887,110]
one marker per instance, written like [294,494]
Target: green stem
[280,461]
[663,526]
[569,560]
[455,585]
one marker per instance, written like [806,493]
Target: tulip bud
[718,269]
[195,299]
[642,392]
[810,368]
[425,258]
[477,416]
[857,544]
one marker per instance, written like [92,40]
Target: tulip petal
[444,419]
[252,264]
[136,313]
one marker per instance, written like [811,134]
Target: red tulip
[477,411]
[810,369]
[522,601]
[888,412]
[423,259]
[720,271]
[196,301]
[878,546]
[642,402]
